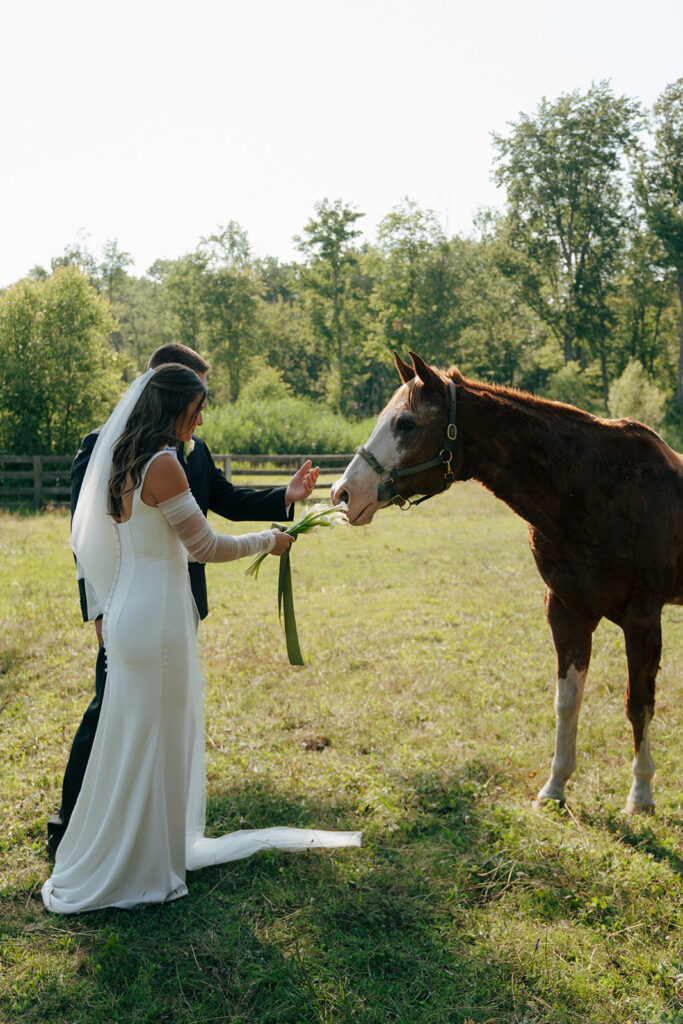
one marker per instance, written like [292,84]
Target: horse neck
[520,449]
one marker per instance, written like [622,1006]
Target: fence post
[227,467]
[37,480]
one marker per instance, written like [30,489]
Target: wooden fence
[41,480]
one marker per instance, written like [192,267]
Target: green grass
[424,716]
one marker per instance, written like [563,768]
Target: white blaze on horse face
[640,799]
[359,482]
[568,697]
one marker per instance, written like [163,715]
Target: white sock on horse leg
[640,798]
[568,697]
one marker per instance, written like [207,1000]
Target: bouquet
[317,517]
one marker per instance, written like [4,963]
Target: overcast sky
[153,121]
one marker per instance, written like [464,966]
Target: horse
[603,502]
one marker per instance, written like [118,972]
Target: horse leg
[572,636]
[643,633]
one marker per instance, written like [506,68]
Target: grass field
[424,717]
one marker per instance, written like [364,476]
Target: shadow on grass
[642,835]
[396,931]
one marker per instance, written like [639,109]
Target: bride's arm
[168,489]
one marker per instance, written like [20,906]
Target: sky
[152,122]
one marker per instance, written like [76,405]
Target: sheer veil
[93,534]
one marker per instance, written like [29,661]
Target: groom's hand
[98,630]
[302,483]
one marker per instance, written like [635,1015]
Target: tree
[183,281]
[659,184]
[328,243]
[499,338]
[58,374]
[285,330]
[417,289]
[566,214]
[230,305]
[231,289]
[78,255]
[144,322]
[644,312]
[228,246]
[113,268]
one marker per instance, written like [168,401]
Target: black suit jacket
[212,492]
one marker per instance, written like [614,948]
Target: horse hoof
[544,801]
[633,808]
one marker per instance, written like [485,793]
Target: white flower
[317,516]
[188,448]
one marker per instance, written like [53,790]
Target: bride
[138,824]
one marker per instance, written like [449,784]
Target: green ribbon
[285,601]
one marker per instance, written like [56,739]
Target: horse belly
[584,582]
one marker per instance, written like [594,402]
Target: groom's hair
[174,352]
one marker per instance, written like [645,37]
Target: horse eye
[404,425]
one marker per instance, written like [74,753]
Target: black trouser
[82,744]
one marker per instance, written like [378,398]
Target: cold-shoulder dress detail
[138,824]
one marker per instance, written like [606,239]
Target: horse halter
[387,489]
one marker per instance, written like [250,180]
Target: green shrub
[672,431]
[281,426]
[634,394]
[572,385]
[263,384]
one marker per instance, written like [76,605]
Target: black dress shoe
[55,830]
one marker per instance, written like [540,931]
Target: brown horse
[603,500]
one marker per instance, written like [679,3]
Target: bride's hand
[283,542]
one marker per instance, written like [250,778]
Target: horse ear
[427,374]
[405,371]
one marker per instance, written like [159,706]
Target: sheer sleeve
[184,515]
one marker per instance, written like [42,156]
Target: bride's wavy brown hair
[151,426]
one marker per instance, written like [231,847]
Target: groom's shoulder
[201,466]
[86,446]
[89,441]
[202,449]
[82,457]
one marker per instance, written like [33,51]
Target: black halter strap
[387,489]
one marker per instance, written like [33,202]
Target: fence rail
[41,480]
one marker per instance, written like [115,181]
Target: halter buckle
[401,502]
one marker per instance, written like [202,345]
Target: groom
[212,492]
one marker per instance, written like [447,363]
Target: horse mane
[511,394]
[548,408]
[551,414]
[502,392]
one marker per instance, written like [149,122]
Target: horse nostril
[338,495]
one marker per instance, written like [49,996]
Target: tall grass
[425,717]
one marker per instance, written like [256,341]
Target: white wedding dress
[138,824]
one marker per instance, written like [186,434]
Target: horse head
[411,450]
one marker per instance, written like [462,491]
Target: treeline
[573,291]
